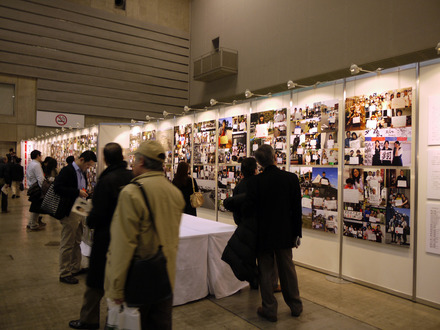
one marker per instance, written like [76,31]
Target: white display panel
[380,264]
[428,264]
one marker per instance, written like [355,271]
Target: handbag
[52,204]
[196,199]
[34,192]
[147,279]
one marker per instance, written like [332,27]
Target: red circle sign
[61,120]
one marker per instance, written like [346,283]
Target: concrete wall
[169,13]
[281,40]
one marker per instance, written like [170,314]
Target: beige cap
[151,149]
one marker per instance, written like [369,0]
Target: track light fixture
[165,114]
[437,48]
[249,94]
[291,85]
[133,121]
[214,102]
[187,109]
[354,69]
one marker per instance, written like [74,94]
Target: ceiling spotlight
[354,69]
[186,108]
[133,121]
[249,94]
[437,48]
[147,117]
[62,129]
[165,114]
[291,84]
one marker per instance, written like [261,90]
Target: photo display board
[232,139]
[270,127]
[377,205]
[314,133]
[228,178]
[319,191]
[378,135]
[378,129]
[182,143]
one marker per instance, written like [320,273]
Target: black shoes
[70,280]
[266,316]
[81,271]
[77,324]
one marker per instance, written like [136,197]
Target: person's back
[185,184]
[276,201]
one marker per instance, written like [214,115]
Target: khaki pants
[15,188]
[70,251]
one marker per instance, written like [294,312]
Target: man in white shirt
[34,173]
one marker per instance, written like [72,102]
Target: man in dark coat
[70,184]
[105,198]
[274,200]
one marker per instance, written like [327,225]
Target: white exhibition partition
[381,265]
[318,249]
[428,264]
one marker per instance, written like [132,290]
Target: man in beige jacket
[134,236]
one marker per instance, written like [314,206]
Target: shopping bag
[122,317]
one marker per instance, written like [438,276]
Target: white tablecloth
[199,268]
[220,278]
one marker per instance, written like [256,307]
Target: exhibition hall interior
[345,92]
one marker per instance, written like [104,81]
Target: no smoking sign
[61,120]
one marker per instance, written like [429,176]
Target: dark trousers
[4,201]
[157,316]
[288,280]
[91,305]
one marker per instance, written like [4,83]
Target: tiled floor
[31,297]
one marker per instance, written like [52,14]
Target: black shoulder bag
[147,279]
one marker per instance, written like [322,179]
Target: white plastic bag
[122,317]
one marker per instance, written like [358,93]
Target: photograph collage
[378,129]
[204,142]
[314,134]
[232,139]
[319,191]
[227,178]
[270,127]
[377,205]
[182,143]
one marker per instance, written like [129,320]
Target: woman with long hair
[184,183]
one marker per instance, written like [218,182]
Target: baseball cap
[151,149]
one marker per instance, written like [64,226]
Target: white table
[220,280]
